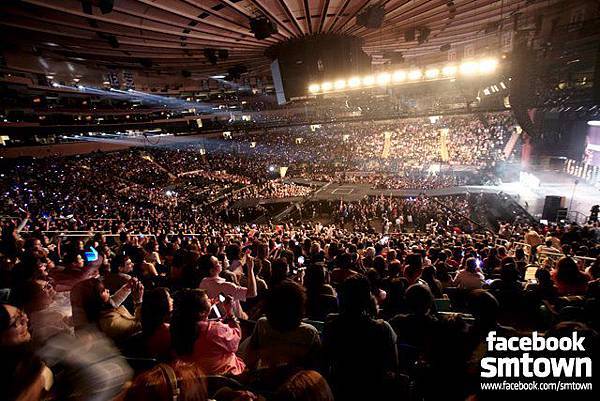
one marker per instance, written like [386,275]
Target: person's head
[279,270]
[414,267]
[285,305]
[306,385]
[520,253]
[379,264]
[14,328]
[543,277]
[122,264]
[429,273]
[210,266]
[191,307]
[148,269]
[180,381]
[419,299]
[74,261]
[93,297]
[33,243]
[484,307]
[471,265]
[355,295]
[567,271]
[156,309]
[233,252]
[314,278]
[509,272]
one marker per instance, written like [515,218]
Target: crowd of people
[302,311]
[131,276]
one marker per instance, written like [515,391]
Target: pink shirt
[215,348]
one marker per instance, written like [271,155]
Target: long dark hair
[90,292]
[155,310]
[189,307]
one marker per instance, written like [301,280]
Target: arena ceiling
[169,35]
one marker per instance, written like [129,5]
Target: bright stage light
[594,123]
[339,84]
[414,75]
[383,78]
[326,86]
[368,80]
[487,66]
[432,73]
[469,68]
[314,88]
[399,76]
[449,70]
[354,82]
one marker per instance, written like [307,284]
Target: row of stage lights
[468,69]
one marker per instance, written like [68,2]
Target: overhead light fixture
[326,86]
[449,71]
[415,75]
[76,80]
[469,68]
[487,66]
[354,82]
[314,88]
[217,76]
[384,78]
[368,80]
[399,76]
[339,84]
[594,123]
[432,73]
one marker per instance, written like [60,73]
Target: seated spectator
[415,327]
[372,364]
[470,277]
[155,317]
[568,278]
[215,285]
[210,344]
[429,276]
[306,385]
[22,373]
[119,275]
[180,381]
[282,339]
[320,297]
[111,317]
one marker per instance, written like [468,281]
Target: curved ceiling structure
[167,35]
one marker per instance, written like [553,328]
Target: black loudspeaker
[186,73]
[211,55]
[423,34]
[372,17]
[105,6]
[552,204]
[409,35]
[445,48]
[113,41]
[223,54]
[146,62]
[262,27]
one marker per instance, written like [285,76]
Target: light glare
[432,73]
[449,71]
[369,80]
[468,68]
[383,78]
[354,82]
[340,84]
[414,75]
[487,66]
[314,88]
[399,76]
[326,86]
